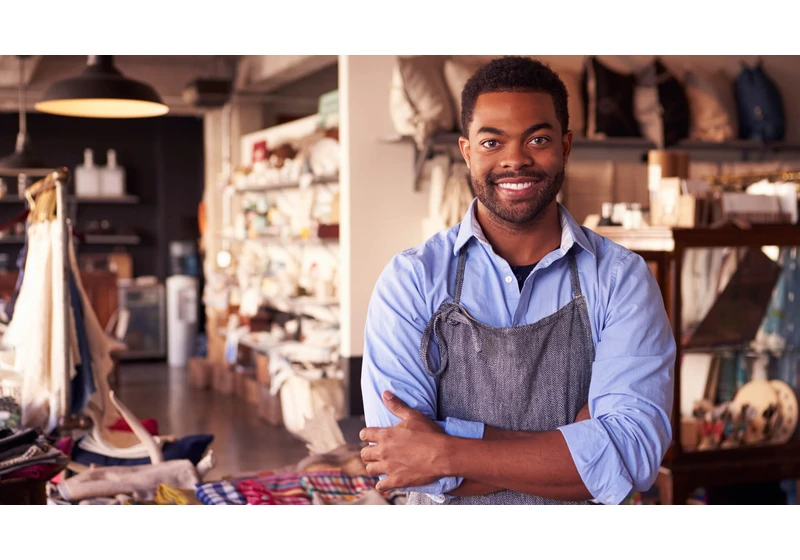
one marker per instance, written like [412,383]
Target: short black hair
[514,74]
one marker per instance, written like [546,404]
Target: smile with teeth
[516,186]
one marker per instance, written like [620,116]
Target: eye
[490,144]
[539,140]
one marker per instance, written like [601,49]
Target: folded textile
[166,495]
[110,481]
[120,445]
[16,439]
[368,498]
[285,492]
[191,448]
[39,472]
[337,487]
[149,424]
[219,493]
[36,454]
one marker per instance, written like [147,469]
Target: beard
[518,212]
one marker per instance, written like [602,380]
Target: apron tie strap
[454,314]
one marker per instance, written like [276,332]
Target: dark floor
[243,443]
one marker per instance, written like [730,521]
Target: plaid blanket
[336,486]
[219,494]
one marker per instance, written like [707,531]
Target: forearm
[476,488]
[536,463]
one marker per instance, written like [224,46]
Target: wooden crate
[252,393]
[269,406]
[262,369]
[224,380]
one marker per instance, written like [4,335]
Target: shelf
[127,199]
[324,180]
[447,141]
[112,240]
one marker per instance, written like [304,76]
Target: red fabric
[149,424]
[40,472]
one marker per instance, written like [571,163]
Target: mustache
[531,175]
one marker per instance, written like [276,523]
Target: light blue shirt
[630,398]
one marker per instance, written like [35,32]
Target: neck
[525,244]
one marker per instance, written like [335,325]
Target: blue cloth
[82,386]
[630,399]
[219,494]
[190,447]
[21,260]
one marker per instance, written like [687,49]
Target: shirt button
[509,279]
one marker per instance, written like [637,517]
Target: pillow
[661,106]
[189,447]
[574,102]
[607,102]
[711,105]
[457,70]
[419,102]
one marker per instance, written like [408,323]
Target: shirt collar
[571,232]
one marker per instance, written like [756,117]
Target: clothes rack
[57,181]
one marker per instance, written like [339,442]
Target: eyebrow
[529,130]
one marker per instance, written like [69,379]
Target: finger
[371,434]
[397,406]
[388,483]
[376,468]
[370,453]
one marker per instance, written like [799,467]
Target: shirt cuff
[598,463]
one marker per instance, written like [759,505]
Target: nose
[517,156]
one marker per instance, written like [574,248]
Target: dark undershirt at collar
[522,272]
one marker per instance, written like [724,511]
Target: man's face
[516,153]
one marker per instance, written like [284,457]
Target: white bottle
[112,177]
[87,176]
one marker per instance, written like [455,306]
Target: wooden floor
[243,443]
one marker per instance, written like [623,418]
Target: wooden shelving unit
[683,471]
[745,149]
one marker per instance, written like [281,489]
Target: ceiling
[257,78]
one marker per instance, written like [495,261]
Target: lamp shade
[101,91]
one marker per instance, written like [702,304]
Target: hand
[408,453]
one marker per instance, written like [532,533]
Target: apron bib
[527,378]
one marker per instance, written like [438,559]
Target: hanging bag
[759,104]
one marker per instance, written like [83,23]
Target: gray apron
[526,378]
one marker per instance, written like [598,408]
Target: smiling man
[517,358]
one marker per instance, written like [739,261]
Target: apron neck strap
[573,274]
[462,265]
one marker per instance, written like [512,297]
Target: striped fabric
[219,494]
[279,489]
[338,487]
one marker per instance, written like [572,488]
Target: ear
[566,145]
[463,145]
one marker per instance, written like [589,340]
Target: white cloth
[36,331]
[99,482]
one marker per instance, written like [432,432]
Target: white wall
[381,214]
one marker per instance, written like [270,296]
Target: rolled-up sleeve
[396,319]
[630,398]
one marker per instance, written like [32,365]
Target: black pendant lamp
[102,92]
[22,161]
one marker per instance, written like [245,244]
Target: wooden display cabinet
[682,470]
